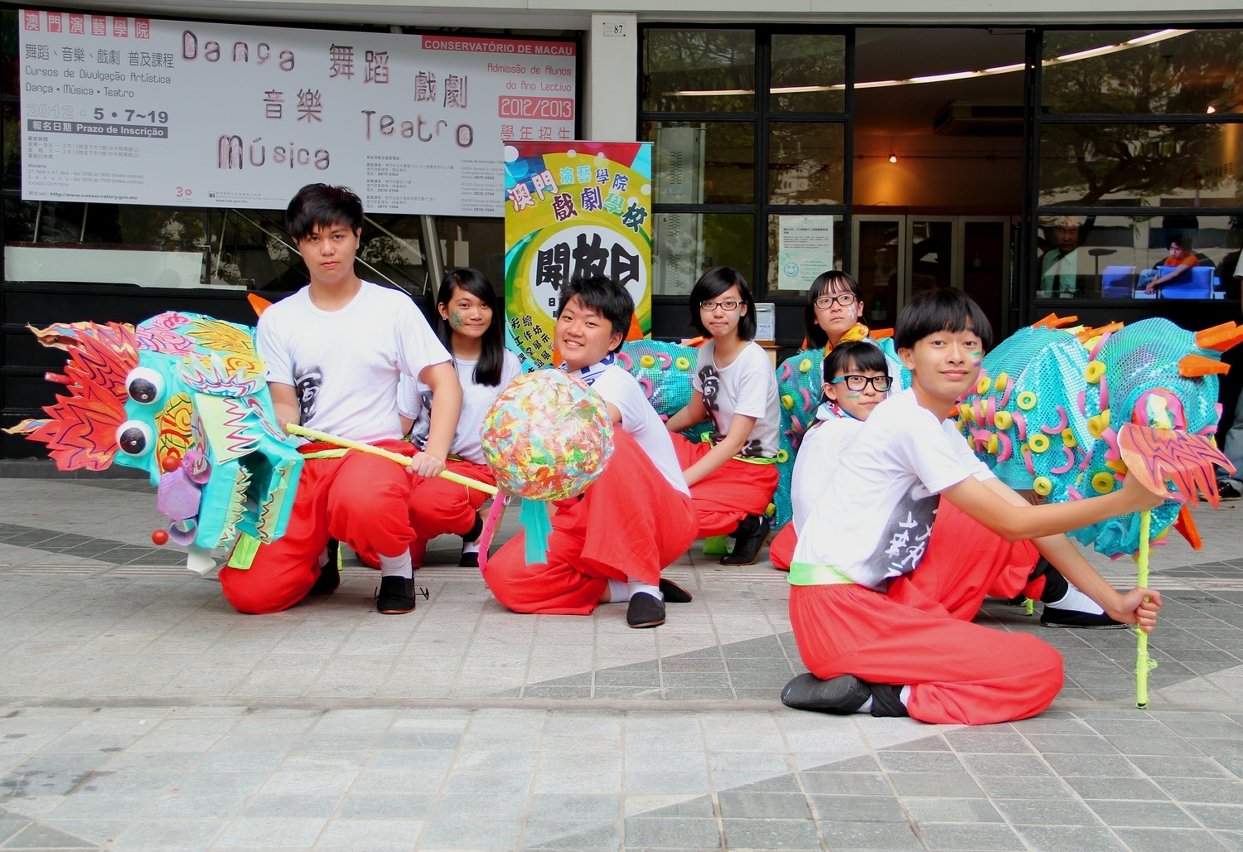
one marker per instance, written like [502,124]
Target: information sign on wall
[143,111]
[573,209]
[804,250]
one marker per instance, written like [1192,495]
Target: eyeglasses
[726,306]
[858,383]
[843,299]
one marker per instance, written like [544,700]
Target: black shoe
[1229,489]
[470,559]
[750,536]
[843,694]
[645,610]
[476,530]
[1074,618]
[887,700]
[673,592]
[329,574]
[396,596]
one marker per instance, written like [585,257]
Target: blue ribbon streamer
[538,527]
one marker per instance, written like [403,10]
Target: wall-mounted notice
[145,111]
[574,209]
[804,250]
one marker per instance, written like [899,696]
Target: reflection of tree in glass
[805,163]
[1186,74]
[1086,163]
[808,60]
[698,60]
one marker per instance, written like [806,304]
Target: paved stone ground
[138,711]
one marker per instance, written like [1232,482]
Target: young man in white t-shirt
[611,544]
[881,604]
[334,351]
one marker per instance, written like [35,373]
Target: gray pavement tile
[933,784]
[1162,840]
[884,808]
[1221,817]
[672,833]
[1179,767]
[366,834]
[846,783]
[472,805]
[904,761]
[1009,765]
[37,836]
[10,824]
[577,835]
[209,806]
[746,804]
[409,806]
[1058,838]
[1143,814]
[1099,765]
[270,833]
[1203,790]
[928,810]
[169,834]
[1021,786]
[666,782]
[845,835]
[1136,789]
[994,838]
[569,806]
[770,834]
[998,740]
[1057,744]
[1153,745]
[290,806]
[1229,839]
[1048,812]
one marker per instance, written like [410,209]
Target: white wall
[610,87]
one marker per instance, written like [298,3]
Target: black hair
[1183,241]
[942,309]
[492,355]
[865,357]
[711,285]
[318,205]
[606,297]
[828,283]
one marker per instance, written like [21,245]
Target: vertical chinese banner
[573,209]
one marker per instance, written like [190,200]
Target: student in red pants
[471,326]
[881,604]
[732,475]
[334,351]
[610,544]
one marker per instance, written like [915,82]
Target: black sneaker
[1074,618]
[673,592]
[1229,489]
[396,596]
[329,574]
[645,610]
[470,559]
[843,694]
[476,530]
[750,536]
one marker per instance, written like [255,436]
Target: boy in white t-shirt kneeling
[881,604]
[334,351]
[610,544]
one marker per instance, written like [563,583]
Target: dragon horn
[1220,337]
[1190,366]
[1054,321]
[258,303]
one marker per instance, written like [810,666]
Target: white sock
[397,566]
[470,546]
[323,558]
[1077,601]
[904,695]
[866,706]
[635,587]
[619,592]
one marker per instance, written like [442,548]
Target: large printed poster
[573,208]
[144,111]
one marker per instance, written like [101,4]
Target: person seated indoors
[832,313]
[732,474]
[610,544]
[881,599]
[1182,258]
[334,352]
[858,380]
[470,326]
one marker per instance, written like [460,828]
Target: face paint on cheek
[455,320]
[977,357]
[853,396]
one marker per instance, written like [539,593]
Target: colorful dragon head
[1056,410]
[184,398]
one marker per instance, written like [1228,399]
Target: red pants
[441,507]
[359,499]
[920,632]
[728,494]
[781,548]
[629,523]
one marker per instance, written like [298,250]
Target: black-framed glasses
[728,305]
[858,383]
[843,299]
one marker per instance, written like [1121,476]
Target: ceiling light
[893,158]
[1211,109]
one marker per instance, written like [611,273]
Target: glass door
[879,257]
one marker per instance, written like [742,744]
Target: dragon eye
[144,384]
[134,437]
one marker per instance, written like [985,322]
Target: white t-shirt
[416,403]
[875,517]
[622,390]
[344,364]
[748,387]
[817,458]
